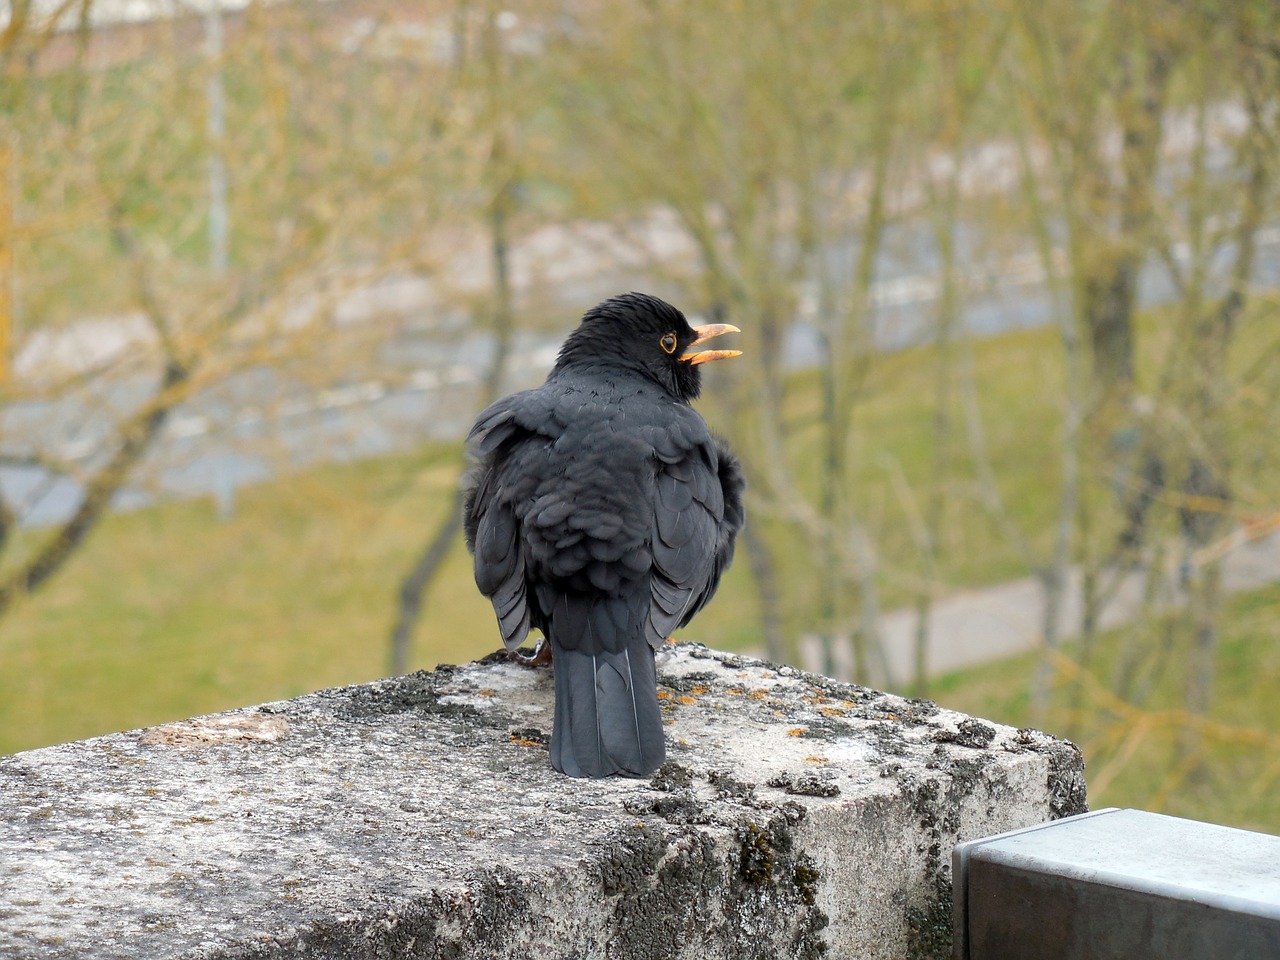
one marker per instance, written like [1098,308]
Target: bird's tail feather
[607,719]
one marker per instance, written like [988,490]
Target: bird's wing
[697,514]
[503,436]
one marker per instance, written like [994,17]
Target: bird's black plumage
[602,511]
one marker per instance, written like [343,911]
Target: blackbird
[602,511]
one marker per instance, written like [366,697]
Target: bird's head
[643,334]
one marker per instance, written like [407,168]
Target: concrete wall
[418,817]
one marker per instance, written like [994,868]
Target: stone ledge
[419,817]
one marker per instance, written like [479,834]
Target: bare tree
[1127,187]
[113,172]
[499,106]
[779,176]
[969,41]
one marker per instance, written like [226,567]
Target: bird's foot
[541,656]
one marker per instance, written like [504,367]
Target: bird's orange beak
[705,333]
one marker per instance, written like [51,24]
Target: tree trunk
[415,585]
[136,439]
[1207,488]
[1206,607]
[765,575]
[1111,276]
[413,589]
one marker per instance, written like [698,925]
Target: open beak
[705,333]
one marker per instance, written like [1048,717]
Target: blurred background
[1007,277]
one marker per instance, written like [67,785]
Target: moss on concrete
[419,817]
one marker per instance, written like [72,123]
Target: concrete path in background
[978,626]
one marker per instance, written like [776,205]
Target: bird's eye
[669,343]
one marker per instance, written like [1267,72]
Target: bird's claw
[541,656]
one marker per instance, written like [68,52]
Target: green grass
[169,611]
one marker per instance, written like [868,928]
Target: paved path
[978,626]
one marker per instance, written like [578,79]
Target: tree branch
[136,440]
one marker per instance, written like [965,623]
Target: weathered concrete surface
[418,817]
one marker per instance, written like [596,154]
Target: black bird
[602,511]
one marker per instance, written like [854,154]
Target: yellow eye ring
[668,343]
